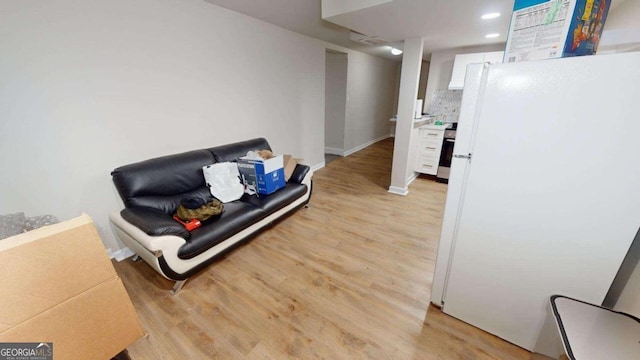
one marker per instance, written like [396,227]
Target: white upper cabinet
[493,57]
[461,62]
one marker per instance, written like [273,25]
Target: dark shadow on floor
[329,158]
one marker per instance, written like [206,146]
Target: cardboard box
[289,166]
[266,175]
[547,29]
[60,287]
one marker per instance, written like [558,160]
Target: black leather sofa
[152,190]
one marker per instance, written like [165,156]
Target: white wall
[441,66]
[86,86]
[372,95]
[629,300]
[626,15]
[371,87]
[335,101]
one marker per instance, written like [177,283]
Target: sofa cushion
[232,152]
[146,183]
[299,173]
[154,222]
[237,215]
[169,204]
[278,199]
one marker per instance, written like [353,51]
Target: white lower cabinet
[429,148]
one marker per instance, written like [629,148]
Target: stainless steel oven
[446,155]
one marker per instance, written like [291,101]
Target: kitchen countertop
[436,127]
[420,123]
[425,123]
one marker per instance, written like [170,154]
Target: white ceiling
[301,16]
[442,24]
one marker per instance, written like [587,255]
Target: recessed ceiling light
[395,51]
[490,16]
[491,36]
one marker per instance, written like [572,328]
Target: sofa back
[161,183]
[232,152]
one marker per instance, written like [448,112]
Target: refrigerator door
[457,176]
[550,204]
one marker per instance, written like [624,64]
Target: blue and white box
[266,176]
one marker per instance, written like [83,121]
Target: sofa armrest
[299,173]
[154,222]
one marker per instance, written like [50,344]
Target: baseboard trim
[360,147]
[398,190]
[120,254]
[334,151]
[412,177]
[342,152]
[318,166]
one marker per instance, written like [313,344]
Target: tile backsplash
[445,105]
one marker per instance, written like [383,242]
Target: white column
[409,81]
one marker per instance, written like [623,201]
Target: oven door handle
[462,156]
[451,140]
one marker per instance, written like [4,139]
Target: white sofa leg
[177,286]
[136,258]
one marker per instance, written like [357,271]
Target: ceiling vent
[368,40]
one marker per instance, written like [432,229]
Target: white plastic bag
[223,181]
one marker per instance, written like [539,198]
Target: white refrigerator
[544,191]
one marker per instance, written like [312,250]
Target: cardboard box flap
[289,166]
[96,324]
[48,266]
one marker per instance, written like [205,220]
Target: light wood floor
[348,278]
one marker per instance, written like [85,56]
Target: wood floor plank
[347,278]
[302,317]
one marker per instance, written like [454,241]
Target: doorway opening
[336,67]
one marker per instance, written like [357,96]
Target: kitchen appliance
[542,196]
[446,154]
[445,107]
